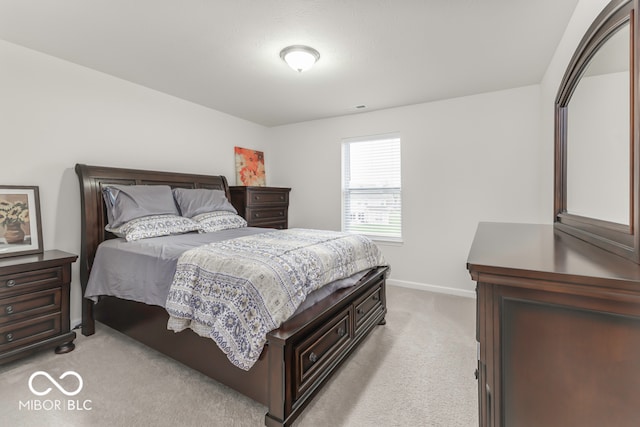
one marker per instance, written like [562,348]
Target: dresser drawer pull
[360,311]
[11,283]
[257,215]
[376,297]
[9,337]
[341,332]
[281,213]
[9,309]
[257,197]
[313,357]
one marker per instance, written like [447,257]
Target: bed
[298,357]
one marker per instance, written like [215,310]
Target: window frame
[345,172]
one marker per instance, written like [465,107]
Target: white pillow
[220,220]
[154,226]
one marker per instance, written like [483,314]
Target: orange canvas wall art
[249,167]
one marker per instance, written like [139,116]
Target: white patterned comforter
[236,291]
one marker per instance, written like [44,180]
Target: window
[371,189]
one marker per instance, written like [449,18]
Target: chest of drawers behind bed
[262,206]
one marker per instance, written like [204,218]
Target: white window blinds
[371,187]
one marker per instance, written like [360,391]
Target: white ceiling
[224,54]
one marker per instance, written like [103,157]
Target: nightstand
[34,304]
[262,206]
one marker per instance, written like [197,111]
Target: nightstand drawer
[261,198]
[12,284]
[31,304]
[29,331]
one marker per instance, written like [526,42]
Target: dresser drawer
[315,354]
[13,284]
[267,198]
[266,214]
[29,331]
[367,307]
[31,304]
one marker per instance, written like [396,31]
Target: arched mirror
[598,126]
[596,171]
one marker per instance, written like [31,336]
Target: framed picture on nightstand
[20,230]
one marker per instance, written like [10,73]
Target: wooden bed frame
[299,357]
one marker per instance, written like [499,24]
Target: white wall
[464,160]
[54,114]
[480,158]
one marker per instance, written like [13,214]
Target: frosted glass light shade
[300,58]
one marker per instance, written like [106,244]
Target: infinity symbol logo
[55,383]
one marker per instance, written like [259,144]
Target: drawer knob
[9,309]
[257,197]
[313,357]
[360,311]
[376,297]
[281,197]
[281,213]
[11,283]
[257,215]
[341,332]
[9,337]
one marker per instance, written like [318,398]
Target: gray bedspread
[236,291]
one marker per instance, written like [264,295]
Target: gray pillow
[127,202]
[197,201]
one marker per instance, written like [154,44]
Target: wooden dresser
[262,206]
[558,326]
[34,304]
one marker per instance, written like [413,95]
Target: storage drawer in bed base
[318,351]
[320,348]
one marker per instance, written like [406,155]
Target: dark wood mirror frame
[621,239]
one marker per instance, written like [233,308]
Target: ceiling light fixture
[299,57]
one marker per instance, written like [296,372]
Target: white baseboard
[432,288]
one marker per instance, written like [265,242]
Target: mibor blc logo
[55,404]
[55,383]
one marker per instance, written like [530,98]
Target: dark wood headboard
[94,215]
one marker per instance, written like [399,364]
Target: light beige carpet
[417,370]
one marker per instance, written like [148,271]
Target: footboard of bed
[306,350]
